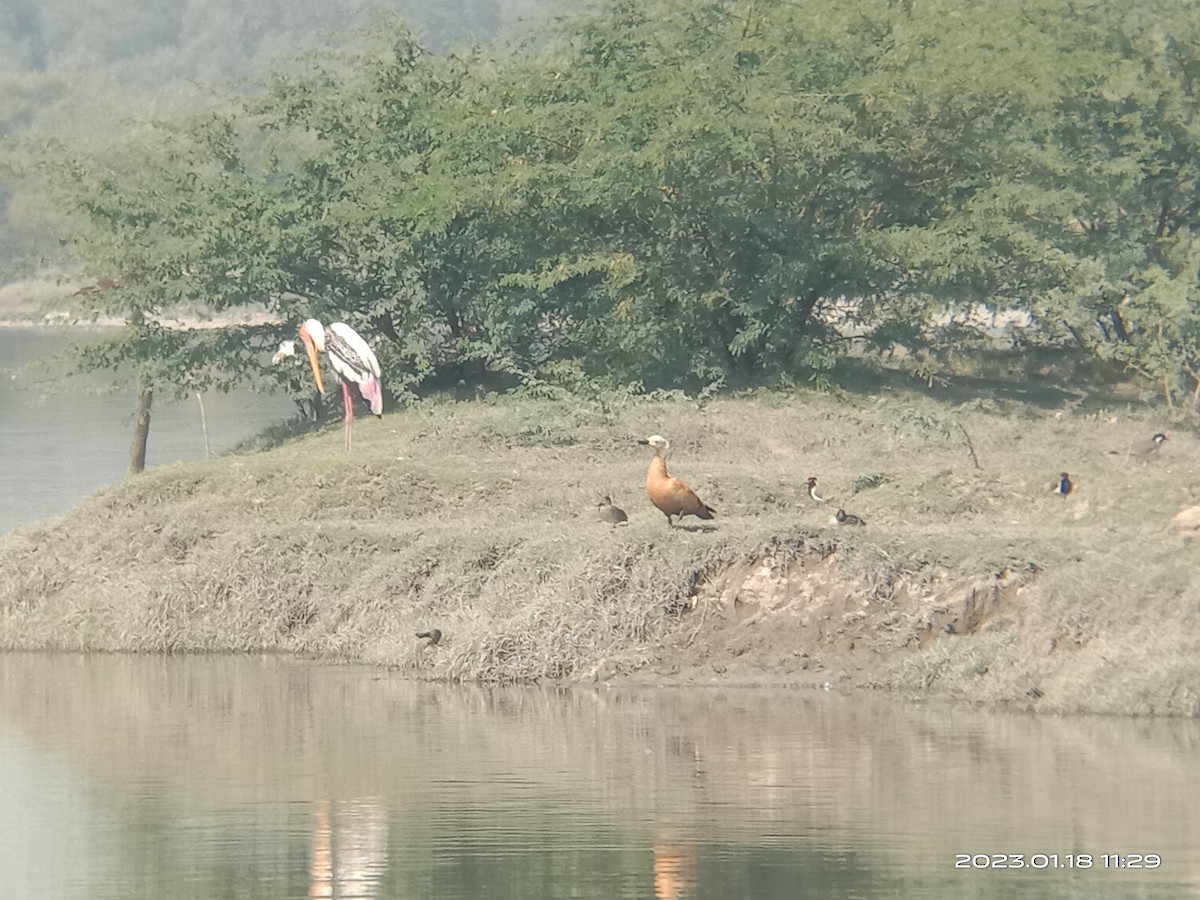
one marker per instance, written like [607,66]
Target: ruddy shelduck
[670,495]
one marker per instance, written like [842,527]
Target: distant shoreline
[68,323]
[54,301]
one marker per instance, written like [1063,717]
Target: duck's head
[660,444]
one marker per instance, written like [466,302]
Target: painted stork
[351,358]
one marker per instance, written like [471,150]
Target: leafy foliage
[673,194]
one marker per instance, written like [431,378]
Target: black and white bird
[812,489]
[844,518]
[285,350]
[1143,449]
[1063,486]
[353,360]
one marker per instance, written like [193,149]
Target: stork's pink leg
[348,405]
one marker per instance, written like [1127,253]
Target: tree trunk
[203,426]
[141,431]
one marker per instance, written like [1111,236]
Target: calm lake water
[248,777]
[58,446]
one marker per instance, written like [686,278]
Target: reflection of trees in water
[349,849]
[729,788]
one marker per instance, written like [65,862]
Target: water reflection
[674,869]
[269,777]
[349,852]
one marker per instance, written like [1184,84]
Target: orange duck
[670,495]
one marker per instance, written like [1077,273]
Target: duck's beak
[313,358]
[643,441]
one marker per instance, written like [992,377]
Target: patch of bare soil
[809,623]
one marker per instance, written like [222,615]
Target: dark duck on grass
[606,511]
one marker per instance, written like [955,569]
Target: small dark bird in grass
[1063,486]
[433,634]
[607,512]
[844,518]
[1145,448]
[812,489]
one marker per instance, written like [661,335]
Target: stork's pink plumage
[352,359]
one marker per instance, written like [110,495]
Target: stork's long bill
[314,343]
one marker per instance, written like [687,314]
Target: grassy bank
[970,578]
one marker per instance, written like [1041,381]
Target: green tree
[1131,143]
[280,203]
[676,194]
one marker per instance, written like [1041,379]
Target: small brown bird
[1145,448]
[607,512]
[812,489]
[844,518]
[433,634]
[670,495]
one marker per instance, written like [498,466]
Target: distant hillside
[78,70]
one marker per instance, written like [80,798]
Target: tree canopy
[677,194]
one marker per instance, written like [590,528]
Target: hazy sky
[78,69]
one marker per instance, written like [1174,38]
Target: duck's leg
[348,405]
